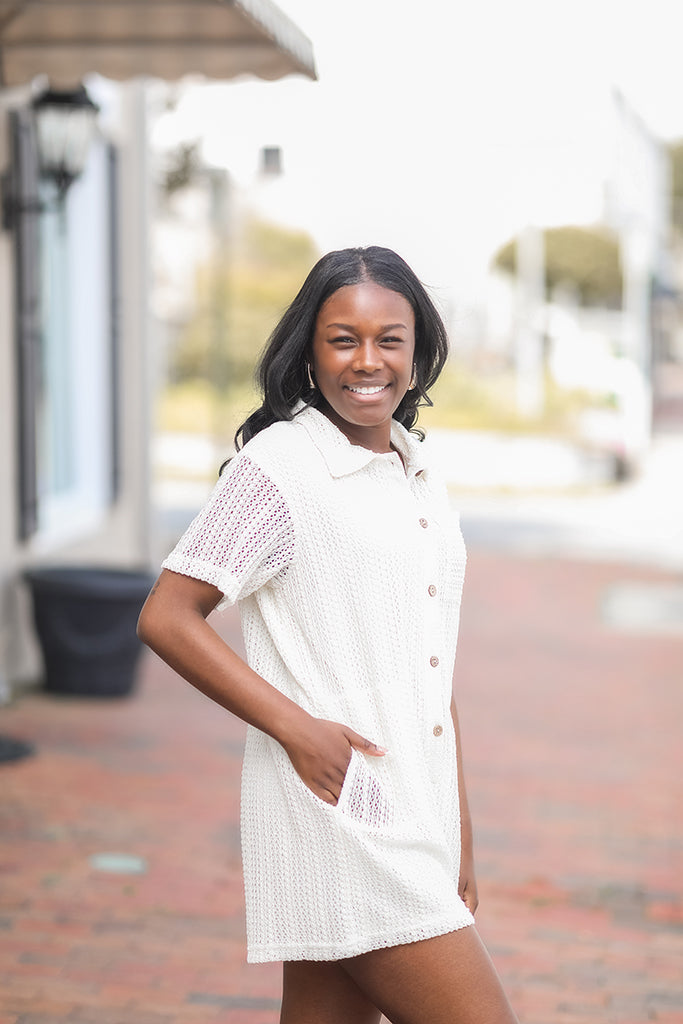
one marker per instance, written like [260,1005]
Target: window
[65,337]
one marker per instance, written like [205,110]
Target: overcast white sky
[436,125]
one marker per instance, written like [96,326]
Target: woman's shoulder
[277,439]
[279,450]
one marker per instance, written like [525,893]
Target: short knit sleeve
[242,538]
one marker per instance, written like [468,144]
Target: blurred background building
[535,188]
[76,337]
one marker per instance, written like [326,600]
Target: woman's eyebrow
[386,327]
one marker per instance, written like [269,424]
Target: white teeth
[368,391]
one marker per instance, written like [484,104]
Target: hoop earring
[310,376]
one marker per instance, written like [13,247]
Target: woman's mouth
[366,389]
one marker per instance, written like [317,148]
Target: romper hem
[365,944]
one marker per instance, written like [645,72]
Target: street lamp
[65,123]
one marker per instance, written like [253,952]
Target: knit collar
[343,458]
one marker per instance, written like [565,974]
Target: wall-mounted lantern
[65,123]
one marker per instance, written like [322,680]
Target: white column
[529,336]
[136,351]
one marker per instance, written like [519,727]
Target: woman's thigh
[443,980]
[323,993]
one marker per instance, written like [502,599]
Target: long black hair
[282,370]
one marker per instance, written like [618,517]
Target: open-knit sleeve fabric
[242,539]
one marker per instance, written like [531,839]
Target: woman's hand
[467,883]
[321,751]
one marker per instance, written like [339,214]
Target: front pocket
[362,798]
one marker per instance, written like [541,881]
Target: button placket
[433,682]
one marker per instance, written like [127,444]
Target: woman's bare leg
[323,993]
[445,980]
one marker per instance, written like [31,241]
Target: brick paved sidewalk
[572,736]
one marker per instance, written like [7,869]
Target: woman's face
[362,360]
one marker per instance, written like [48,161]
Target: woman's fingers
[322,756]
[467,884]
[331,787]
[358,742]
[364,745]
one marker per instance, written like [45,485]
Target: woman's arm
[467,886]
[173,623]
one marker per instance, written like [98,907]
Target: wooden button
[431,590]
[433,661]
[437,730]
[423,523]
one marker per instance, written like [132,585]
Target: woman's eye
[342,340]
[392,341]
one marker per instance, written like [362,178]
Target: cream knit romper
[348,568]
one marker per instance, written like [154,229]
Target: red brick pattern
[572,737]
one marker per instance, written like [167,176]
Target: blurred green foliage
[240,297]
[181,168]
[464,399]
[676,155]
[197,407]
[585,259]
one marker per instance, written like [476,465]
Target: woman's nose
[367,358]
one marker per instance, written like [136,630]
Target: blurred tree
[676,154]
[585,258]
[182,167]
[269,266]
[240,297]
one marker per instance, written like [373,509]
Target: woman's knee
[436,981]
[323,993]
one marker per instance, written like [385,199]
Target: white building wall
[112,534]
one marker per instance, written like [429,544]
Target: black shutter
[24,185]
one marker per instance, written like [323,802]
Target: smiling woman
[287,368]
[333,530]
[362,360]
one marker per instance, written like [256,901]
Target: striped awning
[121,39]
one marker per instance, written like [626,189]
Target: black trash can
[85,619]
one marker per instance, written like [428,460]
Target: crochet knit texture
[348,568]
